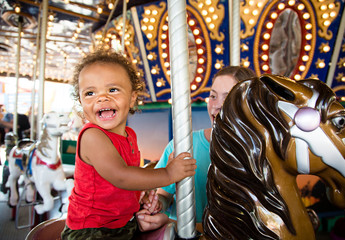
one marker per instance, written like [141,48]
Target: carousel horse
[40,163]
[270,130]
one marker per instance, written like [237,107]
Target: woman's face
[219,90]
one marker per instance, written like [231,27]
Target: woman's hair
[110,57]
[239,73]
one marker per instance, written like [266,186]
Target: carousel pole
[42,64]
[234,32]
[124,16]
[15,113]
[181,114]
[33,93]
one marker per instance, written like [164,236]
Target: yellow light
[144,28]
[193,87]
[255,12]
[164,55]
[152,20]
[301,68]
[153,71]
[145,20]
[211,26]
[211,9]
[163,36]
[267,36]
[297,77]
[17,9]
[264,57]
[200,51]
[147,12]
[246,11]
[166,64]
[208,2]
[274,15]
[291,3]
[201,61]
[321,64]
[305,58]
[323,7]
[331,5]
[300,6]
[326,48]
[191,22]
[333,14]
[170,101]
[309,36]
[281,6]
[208,19]
[164,45]
[269,25]
[218,50]
[200,70]
[251,21]
[246,64]
[306,16]
[198,41]
[158,84]
[99,9]
[204,12]
[207,100]
[110,5]
[217,66]
[154,12]
[196,31]
[198,79]
[325,16]
[165,27]
[149,36]
[265,67]
[326,23]
[307,47]
[151,27]
[308,26]
[265,47]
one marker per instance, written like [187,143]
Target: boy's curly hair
[109,56]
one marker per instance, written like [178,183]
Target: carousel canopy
[298,39]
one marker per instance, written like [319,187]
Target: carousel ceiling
[297,38]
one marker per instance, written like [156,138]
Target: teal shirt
[201,152]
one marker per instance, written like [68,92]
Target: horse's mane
[240,176]
[43,145]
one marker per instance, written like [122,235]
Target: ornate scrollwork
[149,24]
[213,15]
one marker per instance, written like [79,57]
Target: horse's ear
[283,87]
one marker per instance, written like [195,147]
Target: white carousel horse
[40,162]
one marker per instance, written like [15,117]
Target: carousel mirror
[285,43]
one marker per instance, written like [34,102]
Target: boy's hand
[181,167]
[150,201]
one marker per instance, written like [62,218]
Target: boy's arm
[97,150]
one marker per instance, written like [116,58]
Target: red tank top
[96,203]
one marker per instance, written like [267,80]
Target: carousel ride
[40,163]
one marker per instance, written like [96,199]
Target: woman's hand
[147,222]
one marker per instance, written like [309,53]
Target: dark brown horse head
[269,130]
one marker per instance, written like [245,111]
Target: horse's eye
[339,122]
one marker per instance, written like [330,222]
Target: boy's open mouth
[106,113]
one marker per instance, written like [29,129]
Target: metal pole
[124,15]
[336,51]
[234,32]
[143,54]
[33,93]
[42,62]
[15,113]
[181,112]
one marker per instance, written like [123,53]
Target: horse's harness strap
[39,161]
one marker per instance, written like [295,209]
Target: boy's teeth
[106,113]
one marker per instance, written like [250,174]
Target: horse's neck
[298,214]
[47,149]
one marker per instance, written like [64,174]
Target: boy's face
[106,96]
[220,88]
